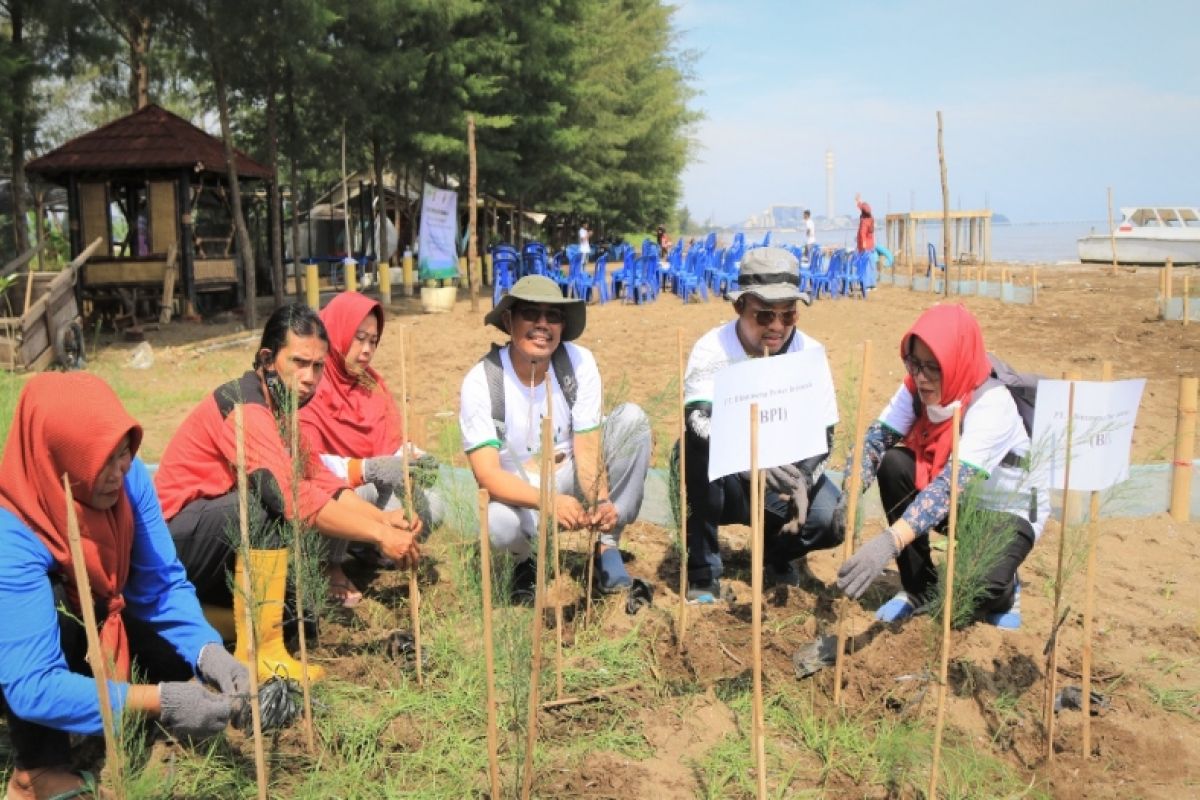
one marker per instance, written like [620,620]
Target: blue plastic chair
[725,277]
[623,279]
[645,286]
[691,279]
[822,279]
[583,284]
[857,274]
[505,266]
[815,258]
[933,261]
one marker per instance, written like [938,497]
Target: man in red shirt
[197,482]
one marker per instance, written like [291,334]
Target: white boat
[1148,235]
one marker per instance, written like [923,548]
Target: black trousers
[37,746]
[897,488]
[207,532]
[726,501]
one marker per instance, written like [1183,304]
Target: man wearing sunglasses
[600,462]
[800,500]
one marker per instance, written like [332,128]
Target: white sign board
[796,403]
[438,254]
[1101,431]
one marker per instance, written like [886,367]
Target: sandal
[343,593]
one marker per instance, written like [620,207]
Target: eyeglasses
[916,366]
[553,316]
[765,317]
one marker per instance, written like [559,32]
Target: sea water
[1012,242]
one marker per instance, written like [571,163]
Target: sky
[1045,105]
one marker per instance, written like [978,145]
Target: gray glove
[798,504]
[862,568]
[224,672]
[786,479]
[190,711]
[385,470]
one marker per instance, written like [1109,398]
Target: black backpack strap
[493,371]
[565,372]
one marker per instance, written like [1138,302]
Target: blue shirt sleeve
[158,590]
[37,684]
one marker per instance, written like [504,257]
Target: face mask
[939,414]
[281,396]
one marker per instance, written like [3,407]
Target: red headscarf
[73,423]
[345,416]
[953,334]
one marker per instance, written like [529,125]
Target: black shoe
[704,593]
[523,590]
[785,574]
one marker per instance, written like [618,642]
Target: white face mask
[939,414]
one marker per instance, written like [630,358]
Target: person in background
[353,424]
[800,499]
[601,462]
[810,234]
[146,610]
[197,481]
[865,241]
[585,243]
[908,450]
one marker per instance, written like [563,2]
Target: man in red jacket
[197,477]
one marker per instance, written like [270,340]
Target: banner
[437,257]
[796,403]
[1101,431]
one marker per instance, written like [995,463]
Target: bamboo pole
[681,632]
[473,268]
[756,569]
[945,212]
[1112,233]
[1162,293]
[113,756]
[1052,655]
[1187,290]
[1090,600]
[552,527]
[855,489]
[247,588]
[489,657]
[947,605]
[298,529]
[414,590]
[545,509]
[346,210]
[28,292]
[1185,442]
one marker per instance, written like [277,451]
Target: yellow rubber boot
[268,570]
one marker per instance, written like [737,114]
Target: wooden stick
[552,528]
[599,694]
[1112,234]
[545,509]
[28,292]
[1168,281]
[593,540]
[489,658]
[1162,293]
[947,605]
[247,588]
[756,569]
[473,267]
[1089,601]
[414,591]
[1052,655]
[298,532]
[855,488]
[1187,290]
[946,256]
[681,626]
[113,756]
[1185,441]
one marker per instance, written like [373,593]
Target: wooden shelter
[970,235]
[150,184]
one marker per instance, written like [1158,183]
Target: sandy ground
[1147,648]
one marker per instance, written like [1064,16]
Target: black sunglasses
[765,317]
[554,316]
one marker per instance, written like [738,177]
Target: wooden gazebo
[149,184]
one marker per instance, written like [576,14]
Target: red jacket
[866,228]
[200,460]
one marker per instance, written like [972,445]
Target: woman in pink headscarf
[908,450]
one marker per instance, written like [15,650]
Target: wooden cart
[41,323]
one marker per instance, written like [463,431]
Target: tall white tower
[829,184]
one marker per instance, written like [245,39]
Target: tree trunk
[139,70]
[379,216]
[474,269]
[16,129]
[293,127]
[245,249]
[273,159]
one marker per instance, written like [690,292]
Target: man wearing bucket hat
[800,500]
[600,462]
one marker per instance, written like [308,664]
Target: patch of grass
[1177,700]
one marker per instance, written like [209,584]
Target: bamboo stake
[485,562]
[113,756]
[551,526]
[247,588]
[28,292]
[593,540]
[947,605]
[297,527]
[1089,601]
[545,509]
[1162,293]
[945,214]
[1185,441]
[414,591]
[855,488]
[1052,656]
[681,632]
[756,569]
[1112,234]
[1187,290]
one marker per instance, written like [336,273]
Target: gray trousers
[625,445]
